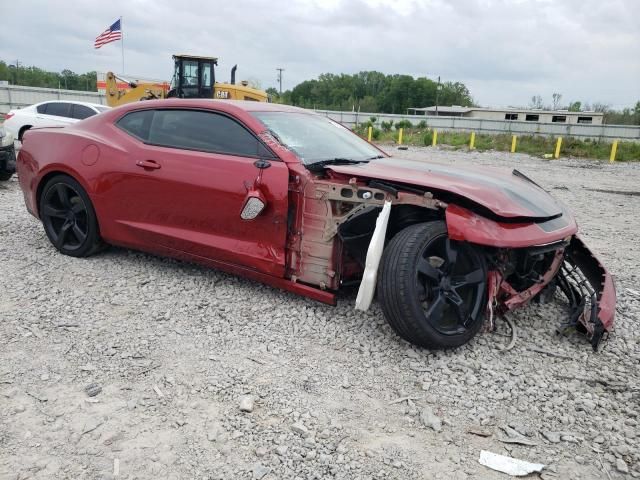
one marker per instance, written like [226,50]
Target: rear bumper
[7,160]
[27,169]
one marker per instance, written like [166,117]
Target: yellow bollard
[472,141]
[435,138]
[400,137]
[369,133]
[558,145]
[513,144]
[614,150]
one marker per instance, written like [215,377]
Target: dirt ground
[176,348]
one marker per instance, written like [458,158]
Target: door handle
[150,164]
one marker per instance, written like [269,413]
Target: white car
[49,114]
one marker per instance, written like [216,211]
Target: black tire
[4,176]
[68,217]
[432,290]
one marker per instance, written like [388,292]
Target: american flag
[111,34]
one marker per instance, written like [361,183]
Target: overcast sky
[505,51]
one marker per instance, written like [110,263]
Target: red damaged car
[290,198]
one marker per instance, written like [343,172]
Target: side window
[137,123]
[189,80]
[81,112]
[42,108]
[190,72]
[205,131]
[205,75]
[59,109]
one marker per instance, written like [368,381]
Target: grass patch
[531,145]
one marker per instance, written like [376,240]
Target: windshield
[315,138]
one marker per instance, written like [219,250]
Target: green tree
[36,77]
[274,95]
[373,91]
[575,106]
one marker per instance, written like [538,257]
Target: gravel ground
[203,375]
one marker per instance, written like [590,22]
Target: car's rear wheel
[22,130]
[68,217]
[432,290]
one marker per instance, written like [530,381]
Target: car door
[184,182]
[55,114]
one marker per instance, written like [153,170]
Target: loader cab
[193,77]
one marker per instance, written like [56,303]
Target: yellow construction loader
[193,77]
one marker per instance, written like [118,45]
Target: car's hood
[504,193]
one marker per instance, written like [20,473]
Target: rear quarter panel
[45,152]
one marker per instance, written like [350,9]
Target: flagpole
[122,43]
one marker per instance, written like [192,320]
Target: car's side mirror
[254,204]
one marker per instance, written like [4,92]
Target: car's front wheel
[68,217]
[432,290]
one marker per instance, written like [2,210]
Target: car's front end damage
[530,260]
[444,248]
[518,275]
[590,290]
[530,250]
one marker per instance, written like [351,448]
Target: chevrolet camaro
[293,199]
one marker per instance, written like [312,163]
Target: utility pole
[280,70]
[17,71]
[437,93]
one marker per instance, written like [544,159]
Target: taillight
[7,116]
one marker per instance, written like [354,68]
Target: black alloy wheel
[450,284]
[68,217]
[432,289]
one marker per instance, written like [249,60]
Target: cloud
[504,50]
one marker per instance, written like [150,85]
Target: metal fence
[442,123]
[17,96]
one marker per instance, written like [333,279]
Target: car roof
[86,104]
[263,106]
[206,103]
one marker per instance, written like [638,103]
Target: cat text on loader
[193,77]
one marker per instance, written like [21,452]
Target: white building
[512,114]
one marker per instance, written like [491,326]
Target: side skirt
[277,282]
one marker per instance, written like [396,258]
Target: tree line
[37,77]
[373,92]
